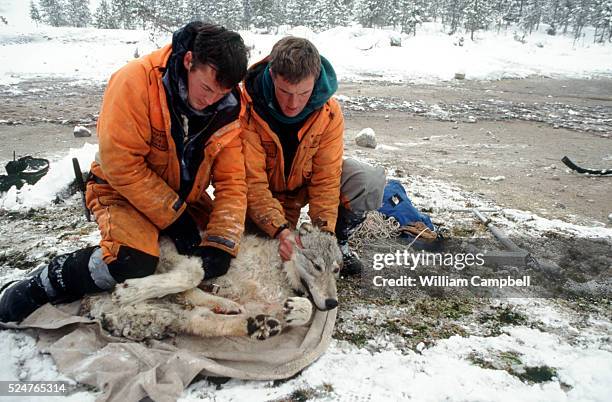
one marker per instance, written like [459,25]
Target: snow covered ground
[573,347]
[447,371]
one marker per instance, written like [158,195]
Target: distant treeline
[525,16]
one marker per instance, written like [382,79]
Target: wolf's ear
[305,228]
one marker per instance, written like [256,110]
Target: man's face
[292,98]
[202,87]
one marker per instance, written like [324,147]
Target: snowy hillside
[357,53]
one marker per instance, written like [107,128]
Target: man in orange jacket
[292,130]
[167,129]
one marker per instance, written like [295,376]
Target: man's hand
[287,240]
[215,261]
[184,233]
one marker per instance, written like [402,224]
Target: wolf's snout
[331,304]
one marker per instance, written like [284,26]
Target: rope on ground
[417,237]
[374,229]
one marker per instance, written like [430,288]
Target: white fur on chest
[257,264]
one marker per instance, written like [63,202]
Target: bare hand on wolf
[286,242]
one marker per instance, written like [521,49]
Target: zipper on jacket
[185,129]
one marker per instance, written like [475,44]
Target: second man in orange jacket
[292,130]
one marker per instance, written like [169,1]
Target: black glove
[215,261]
[184,233]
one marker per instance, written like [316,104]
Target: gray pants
[361,186]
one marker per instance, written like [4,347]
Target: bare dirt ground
[462,132]
[37,117]
[526,153]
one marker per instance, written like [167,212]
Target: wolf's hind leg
[219,305]
[205,323]
[140,321]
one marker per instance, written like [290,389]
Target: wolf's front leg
[136,290]
[203,322]
[296,311]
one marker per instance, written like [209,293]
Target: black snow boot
[20,299]
[345,225]
[351,264]
[58,282]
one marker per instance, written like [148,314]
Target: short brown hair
[222,49]
[295,59]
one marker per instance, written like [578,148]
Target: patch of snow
[444,197]
[540,224]
[355,374]
[85,54]
[20,360]
[384,147]
[356,53]
[60,175]
[493,178]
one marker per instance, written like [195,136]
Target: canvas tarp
[129,371]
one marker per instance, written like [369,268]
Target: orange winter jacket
[137,156]
[314,179]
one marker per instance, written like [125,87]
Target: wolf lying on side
[258,297]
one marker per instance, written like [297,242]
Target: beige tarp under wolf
[129,371]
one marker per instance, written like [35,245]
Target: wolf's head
[314,268]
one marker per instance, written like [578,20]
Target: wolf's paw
[125,293]
[134,327]
[109,323]
[297,311]
[263,327]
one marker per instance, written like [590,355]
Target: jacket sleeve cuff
[178,208]
[221,243]
[326,225]
[280,229]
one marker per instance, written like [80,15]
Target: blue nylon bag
[397,204]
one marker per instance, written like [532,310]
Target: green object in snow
[23,170]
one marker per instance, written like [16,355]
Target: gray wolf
[258,297]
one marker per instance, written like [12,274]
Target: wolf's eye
[318,267]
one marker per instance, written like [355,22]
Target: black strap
[6,285]
[96,179]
